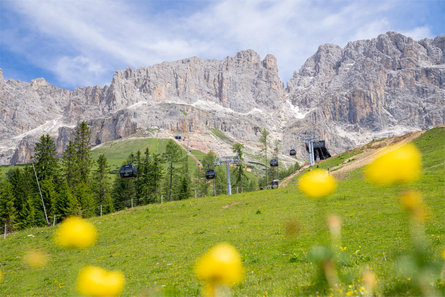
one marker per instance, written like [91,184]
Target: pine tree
[139,181]
[27,214]
[15,178]
[102,188]
[172,155]
[8,212]
[70,167]
[82,137]
[156,172]
[66,202]
[49,195]
[83,194]
[184,189]
[123,192]
[239,173]
[263,141]
[46,163]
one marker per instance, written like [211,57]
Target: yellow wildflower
[412,203]
[96,281]
[443,254]
[395,166]
[370,280]
[35,259]
[75,232]
[1,276]
[221,265]
[334,224]
[317,183]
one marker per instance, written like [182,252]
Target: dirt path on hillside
[184,148]
[369,153]
[287,180]
[362,159]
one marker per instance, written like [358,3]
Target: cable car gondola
[128,171]
[292,152]
[210,174]
[275,183]
[273,163]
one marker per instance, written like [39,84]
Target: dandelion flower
[76,232]
[395,166]
[95,281]
[317,183]
[221,265]
[35,259]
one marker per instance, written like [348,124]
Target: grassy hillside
[117,151]
[155,246]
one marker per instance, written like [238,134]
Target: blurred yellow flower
[317,183]
[334,224]
[1,276]
[443,254]
[412,202]
[96,281]
[221,265]
[370,280]
[75,232]
[35,259]
[395,166]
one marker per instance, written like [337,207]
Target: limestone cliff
[370,88]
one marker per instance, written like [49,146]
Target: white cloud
[419,33]
[80,69]
[84,41]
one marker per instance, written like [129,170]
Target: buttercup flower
[96,281]
[395,166]
[35,259]
[75,232]
[317,183]
[221,265]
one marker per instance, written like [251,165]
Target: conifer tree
[49,196]
[46,163]
[123,192]
[83,194]
[264,142]
[8,212]
[102,188]
[82,137]
[240,177]
[172,155]
[16,178]
[139,181]
[156,172]
[70,167]
[184,189]
[27,214]
[66,203]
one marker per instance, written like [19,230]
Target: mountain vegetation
[275,232]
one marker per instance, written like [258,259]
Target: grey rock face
[390,84]
[370,88]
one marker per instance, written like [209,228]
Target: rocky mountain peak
[384,86]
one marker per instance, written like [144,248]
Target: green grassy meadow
[155,246]
[118,151]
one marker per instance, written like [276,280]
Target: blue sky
[73,43]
